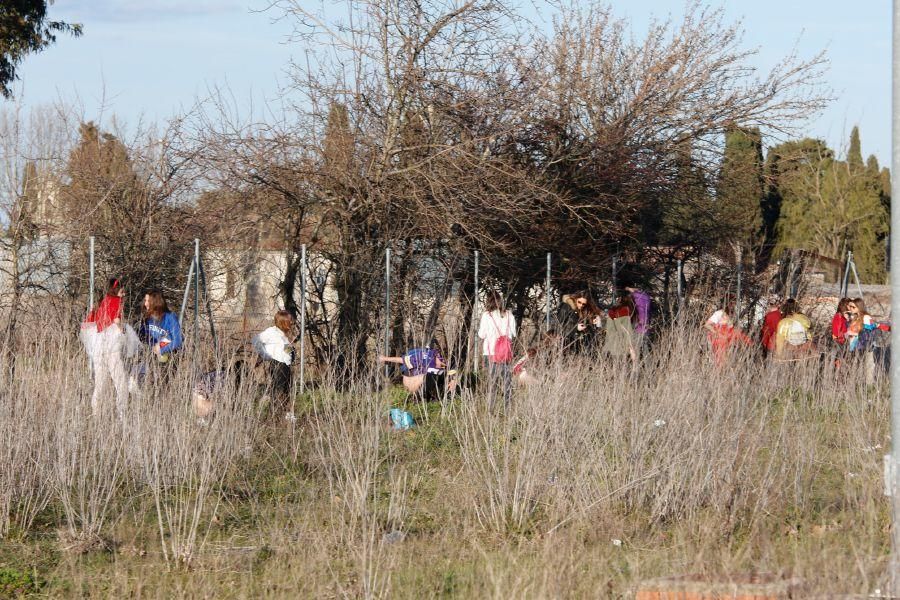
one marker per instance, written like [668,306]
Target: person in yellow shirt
[792,338]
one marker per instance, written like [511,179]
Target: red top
[722,338]
[109,309]
[618,312]
[770,326]
[839,328]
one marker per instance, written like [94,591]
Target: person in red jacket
[723,336]
[770,326]
[107,347]
[109,311]
[840,322]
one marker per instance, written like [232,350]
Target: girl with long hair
[160,328]
[577,321]
[275,347]
[496,331]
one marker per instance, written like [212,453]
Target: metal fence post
[91,252]
[615,262]
[196,293]
[184,299]
[387,309]
[303,272]
[548,292]
[475,315]
[678,287]
[895,309]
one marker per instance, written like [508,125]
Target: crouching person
[274,347]
[424,370]
[212,388]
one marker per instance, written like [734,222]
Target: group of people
[786,333]
[111,342]
[578,326]
[121,358]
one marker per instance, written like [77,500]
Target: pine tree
[829,207]
[25,29]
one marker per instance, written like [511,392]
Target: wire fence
[416,294]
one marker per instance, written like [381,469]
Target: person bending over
[425,370]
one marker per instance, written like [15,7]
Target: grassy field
[592,481]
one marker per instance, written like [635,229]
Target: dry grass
[597,478]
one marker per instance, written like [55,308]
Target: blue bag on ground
[401,420]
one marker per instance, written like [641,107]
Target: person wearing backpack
[619,341]
[496,331]
[792,338]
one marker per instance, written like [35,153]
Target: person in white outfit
[496,330]
[276,349]
[104,337]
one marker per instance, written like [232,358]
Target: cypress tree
[741,189]
[829,207]
[854,155]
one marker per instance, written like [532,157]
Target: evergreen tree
[25,29]
[828,207]
[688,217]
[854,155]
[740,192]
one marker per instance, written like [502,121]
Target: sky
[150,59]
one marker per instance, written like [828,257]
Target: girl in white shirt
[276,349]
[497,322]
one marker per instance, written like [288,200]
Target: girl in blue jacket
[160,328]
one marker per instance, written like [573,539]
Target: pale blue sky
[150,58]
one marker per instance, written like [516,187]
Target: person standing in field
[577,321]
[276,349]
[106,347]
[641,317]
[840,322]
[619,342]
[160,328]
[792,338]
[722,335]
[497,330]
[770,327]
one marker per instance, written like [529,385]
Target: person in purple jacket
[641,317]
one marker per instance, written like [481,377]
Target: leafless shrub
[183,460]
[368,490]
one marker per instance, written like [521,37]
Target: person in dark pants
[274,346]
[577,321]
